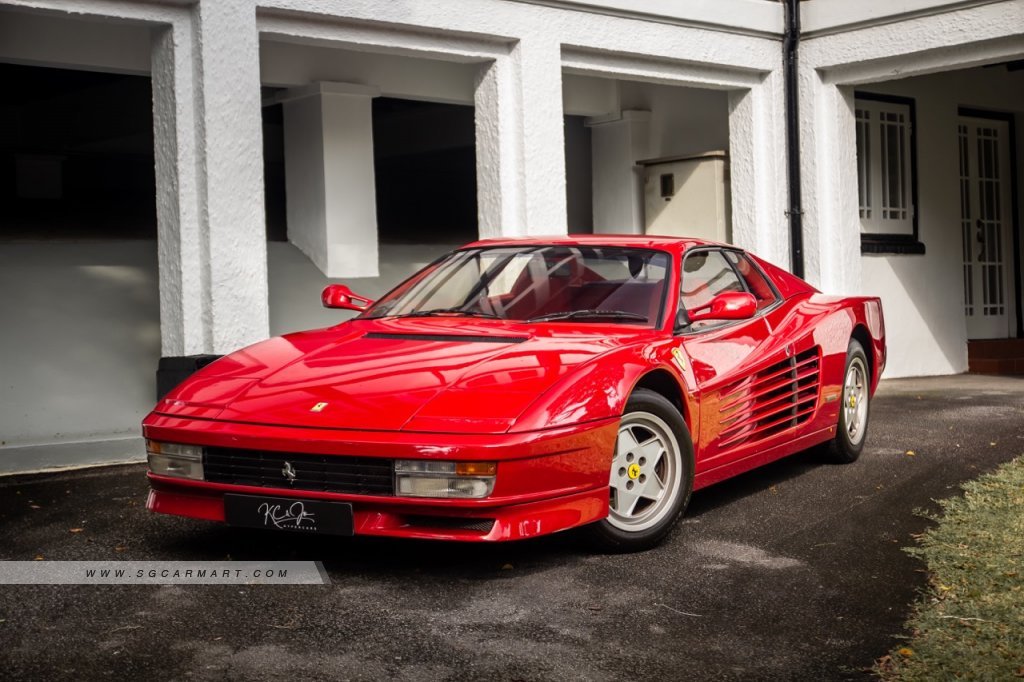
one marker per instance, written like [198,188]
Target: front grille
[325,473]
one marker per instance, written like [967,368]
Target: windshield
[537,284]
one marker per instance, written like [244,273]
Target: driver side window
[705,275]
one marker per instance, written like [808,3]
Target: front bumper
[546,481]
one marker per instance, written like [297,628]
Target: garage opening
[77,154]
[370,170]
[425,164]
[78,262]
[424,179]
[648,158]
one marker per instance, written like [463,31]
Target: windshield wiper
[588,314]
[449,311]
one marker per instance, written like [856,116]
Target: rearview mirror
[729,305]
[340,296]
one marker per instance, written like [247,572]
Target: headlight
[175,459]
[430,478]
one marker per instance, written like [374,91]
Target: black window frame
[906,244]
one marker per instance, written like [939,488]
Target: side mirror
[340,296]
[729,305]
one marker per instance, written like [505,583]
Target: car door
[739,366]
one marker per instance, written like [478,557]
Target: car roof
[648,241]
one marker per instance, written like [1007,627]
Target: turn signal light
[475,468]
[432,478]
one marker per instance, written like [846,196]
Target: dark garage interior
[76,154]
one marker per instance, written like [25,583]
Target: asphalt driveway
[794,571]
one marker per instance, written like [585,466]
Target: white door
[985,221]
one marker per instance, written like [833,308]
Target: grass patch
[969,624]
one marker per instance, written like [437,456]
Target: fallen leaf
[75,530]
[910,453]
[34,506]
[39,557]
[906,652]
[119,548]
[1020,671]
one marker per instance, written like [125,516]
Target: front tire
[851,431]
[651,475]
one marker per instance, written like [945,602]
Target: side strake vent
[773,400]
[464,338]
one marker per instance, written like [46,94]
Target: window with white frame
[885,168]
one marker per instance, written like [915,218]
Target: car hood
[424,374]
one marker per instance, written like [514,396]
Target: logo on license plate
[287,517]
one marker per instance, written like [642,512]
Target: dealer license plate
[288,513]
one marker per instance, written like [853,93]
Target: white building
[364,137]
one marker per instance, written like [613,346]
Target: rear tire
[651,476]
[852,428]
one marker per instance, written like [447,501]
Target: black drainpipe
[790,48]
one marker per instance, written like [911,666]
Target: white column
[543,136]
[520,142]
[829,175]
[181,238]
[231,203]
[501,200]
[757,163]
[332,205]
[617,142]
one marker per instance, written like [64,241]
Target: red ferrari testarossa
[519,387]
